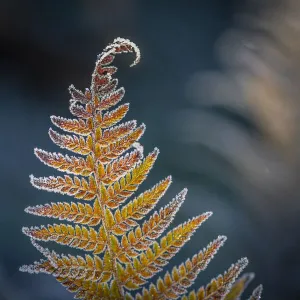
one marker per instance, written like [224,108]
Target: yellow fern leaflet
[121,251]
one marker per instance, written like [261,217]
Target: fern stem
[103,206]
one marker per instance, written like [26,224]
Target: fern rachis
[121,253]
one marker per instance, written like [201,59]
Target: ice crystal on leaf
[122,252]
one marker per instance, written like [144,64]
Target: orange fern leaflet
[122,255]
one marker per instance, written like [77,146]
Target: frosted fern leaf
[125,243]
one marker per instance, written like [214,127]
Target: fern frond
[142,237]
[119,191]
[175,284]
[79,96]
[148,263]
[88,268]
[114,134]
[73,143]
[79,188]
[92,290]
[78,213]
[119,167]
[108,171]
[80,111]
[111,100]
[76,237]
[256,295]
[65,163]
[219,287]
[82,127]
[114,150]
[112,117]
[106,90]
[139,207]
[159,221]
[239,287]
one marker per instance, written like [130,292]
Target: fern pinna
[122,253]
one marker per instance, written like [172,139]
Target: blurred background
[218,88]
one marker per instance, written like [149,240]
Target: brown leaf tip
[256,295]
